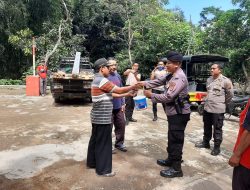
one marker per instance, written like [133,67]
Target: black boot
[166,162]
[174,171]
[216,150]
[155,117]
[203,144]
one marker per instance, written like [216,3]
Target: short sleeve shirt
[42,71]
[131,80]
[244,125]
[101,93]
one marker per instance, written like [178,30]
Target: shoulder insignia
[172,85]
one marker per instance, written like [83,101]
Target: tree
[14,17]
[55,41]
[228,34]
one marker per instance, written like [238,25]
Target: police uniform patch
[172,85]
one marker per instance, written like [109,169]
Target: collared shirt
[116,79]
[177,85]
[101,93]
[219,93]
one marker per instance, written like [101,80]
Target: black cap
[100,62]
[174,56]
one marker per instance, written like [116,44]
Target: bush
[11,82]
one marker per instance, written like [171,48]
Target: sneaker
[121,148]
[112,174]
[132,120]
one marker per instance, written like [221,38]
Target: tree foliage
[228,33]
[131,30]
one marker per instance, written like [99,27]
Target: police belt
[173,103]
[170,104]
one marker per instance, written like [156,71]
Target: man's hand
[123,107]
[133,71]
[140,84]
[234,160]
[132,93]
[135,87]
[147,93]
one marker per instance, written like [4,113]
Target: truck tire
[57,100]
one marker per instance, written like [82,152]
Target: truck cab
[72,80]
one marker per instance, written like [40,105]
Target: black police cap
[174,56]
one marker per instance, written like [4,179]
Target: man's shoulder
[98,78]
[114,76]
[225,78]
[180,75]
[209,79]
[117,75]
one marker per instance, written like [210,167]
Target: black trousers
[215,120]
[241,178]
[129,109]
[155,104]
[100,149]
[176,127]
[119,123]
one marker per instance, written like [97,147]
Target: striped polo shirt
[101,92]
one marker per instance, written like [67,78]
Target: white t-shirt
[159,74]
[131,80]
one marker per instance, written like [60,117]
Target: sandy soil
[43,147]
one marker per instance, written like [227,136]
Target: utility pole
[34,55]
[191,40]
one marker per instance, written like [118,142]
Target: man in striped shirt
[100,144]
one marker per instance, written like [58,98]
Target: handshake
[140,85]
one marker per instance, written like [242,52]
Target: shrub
[11,82]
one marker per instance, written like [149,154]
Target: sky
[194,7]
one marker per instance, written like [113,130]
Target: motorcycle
[235,107]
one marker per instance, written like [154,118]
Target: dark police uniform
[176,86]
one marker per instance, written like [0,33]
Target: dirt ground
[43,146]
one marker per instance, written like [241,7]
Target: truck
[72,79]
[197,70]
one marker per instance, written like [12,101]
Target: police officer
[177,111]
[219,93]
